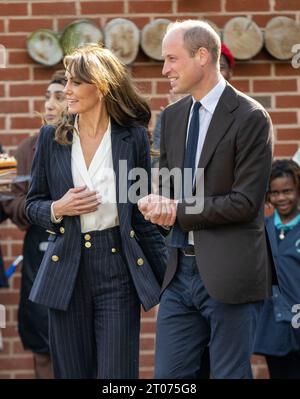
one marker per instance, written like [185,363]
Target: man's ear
[203,55]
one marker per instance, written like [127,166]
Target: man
[219,268]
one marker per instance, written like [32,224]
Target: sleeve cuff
[53,218]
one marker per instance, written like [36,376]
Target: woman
[32,317]
[276,337]
[103,258]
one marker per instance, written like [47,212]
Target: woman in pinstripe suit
[103,259]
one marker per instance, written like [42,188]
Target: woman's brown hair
[96,65]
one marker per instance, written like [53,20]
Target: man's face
[183,71]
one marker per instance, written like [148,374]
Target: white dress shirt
[98,177]
[209,103]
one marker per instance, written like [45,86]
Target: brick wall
[275,84]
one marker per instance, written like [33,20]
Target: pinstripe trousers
[98,335]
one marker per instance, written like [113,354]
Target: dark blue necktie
[179,239]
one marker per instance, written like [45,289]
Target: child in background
[276,338]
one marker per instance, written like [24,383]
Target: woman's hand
[76,201]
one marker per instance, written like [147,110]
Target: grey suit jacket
[51,179]
[230,240]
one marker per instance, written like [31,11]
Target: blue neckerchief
[285,227]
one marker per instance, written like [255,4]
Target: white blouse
[98,177]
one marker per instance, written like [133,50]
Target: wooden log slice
[243,37]
[281,34]
[78,33]
[151,38]
[122,37]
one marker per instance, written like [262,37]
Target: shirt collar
[210,101]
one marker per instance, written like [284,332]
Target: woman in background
[33,318]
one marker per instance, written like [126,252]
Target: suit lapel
[63,163]
[180,121]
[220,123]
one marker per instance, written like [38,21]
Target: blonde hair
[96,65]
[198,34]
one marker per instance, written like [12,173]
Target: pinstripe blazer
[51,179]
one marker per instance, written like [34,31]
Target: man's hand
[158,209]
[76,201]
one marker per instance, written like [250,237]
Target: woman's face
[55,103]
[81,97]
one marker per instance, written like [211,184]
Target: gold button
[88,245]
[62,230]
[114,250]
[55,258]
[87,237]
[140,261]
[132,234]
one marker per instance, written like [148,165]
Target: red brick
[13,41]
[67,8]
[25,123]
[15,74]
[12,140]
[1,90]
[16,363]
[241,84]
[102,7]
[25,376]
[147,343]
[163,87]
[274,85]
[1,25]
[40,73]
[29,25]
[14,106]
[10,298]
[288,134]
[140,22]
[157,103]
[220,19]
[147,359]
[144,87]
[38,105]
[285,150]
[283,5]
[251,69]
[5,376]
[2,125]
[148,327]
[141,57]
[18,347]
[12,233]
[16,283]
[63,22]
[288,101]
[150,7]
[146,374]
[280,118]
[286,68]
[20,57]
[262,19]
[13,9]
[150,314]
[28,90]
[247,5]
[147,71]
[198,6]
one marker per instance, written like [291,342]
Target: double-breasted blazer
[230,240]
[142,244]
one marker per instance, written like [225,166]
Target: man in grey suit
[220,269]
